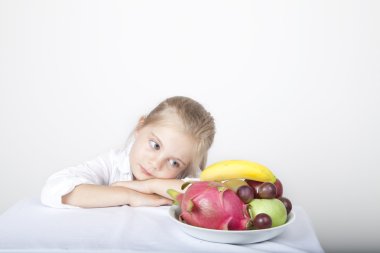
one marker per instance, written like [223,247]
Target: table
[29,226]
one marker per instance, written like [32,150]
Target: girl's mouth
[144,171]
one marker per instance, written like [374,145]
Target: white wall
[292,84]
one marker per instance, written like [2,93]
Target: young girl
[167,145]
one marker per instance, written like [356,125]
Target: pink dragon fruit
[212,205]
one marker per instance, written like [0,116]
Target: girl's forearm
[88,196]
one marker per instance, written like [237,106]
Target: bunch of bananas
[237,169]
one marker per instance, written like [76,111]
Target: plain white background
[293,85]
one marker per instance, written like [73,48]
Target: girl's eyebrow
[160,142]
[155,136]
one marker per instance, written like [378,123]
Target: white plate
[225,236]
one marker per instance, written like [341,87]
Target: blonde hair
[195,120]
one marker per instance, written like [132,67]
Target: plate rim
[290,219]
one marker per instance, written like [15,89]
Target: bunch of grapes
[262,190]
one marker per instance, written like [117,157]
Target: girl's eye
[174,163]
[154,145]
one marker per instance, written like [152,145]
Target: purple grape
[287,204]
[267,190]
[245,193]
[262,221]
[254,184]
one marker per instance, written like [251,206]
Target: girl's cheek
[174,174]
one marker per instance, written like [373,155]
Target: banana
[234,169]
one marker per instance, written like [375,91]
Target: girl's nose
[157,164]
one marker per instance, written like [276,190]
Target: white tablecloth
[29,226]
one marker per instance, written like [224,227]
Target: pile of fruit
[234,195]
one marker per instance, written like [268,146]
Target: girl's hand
[141,193]
[142,199]
[153,186]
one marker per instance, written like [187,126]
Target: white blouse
[104,170]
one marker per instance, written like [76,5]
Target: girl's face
[160,151]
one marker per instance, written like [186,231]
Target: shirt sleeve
[97,171]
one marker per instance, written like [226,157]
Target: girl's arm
[96,172]
[153,186]
[89,196]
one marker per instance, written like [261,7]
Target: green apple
[273,207]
